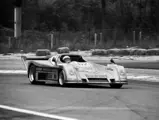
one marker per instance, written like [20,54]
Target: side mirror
[53,60]
[112,61]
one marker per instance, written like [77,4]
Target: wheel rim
[61,79]
[31,76]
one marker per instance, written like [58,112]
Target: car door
[55,69]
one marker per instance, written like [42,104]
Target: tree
[103,17]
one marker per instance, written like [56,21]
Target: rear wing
[25,59]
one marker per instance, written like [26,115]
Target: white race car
[53,68]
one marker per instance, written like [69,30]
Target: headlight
[71,72]
[122,73]
[77,68]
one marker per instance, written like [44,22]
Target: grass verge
[126,51]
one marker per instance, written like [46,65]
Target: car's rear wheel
[116,85]
[32,75]
[62,78]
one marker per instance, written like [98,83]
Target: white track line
[35,113]
[13,72]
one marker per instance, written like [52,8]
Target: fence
[118,38]
[32,40]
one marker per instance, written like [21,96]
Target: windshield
[76,58]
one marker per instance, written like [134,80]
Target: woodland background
[117,23]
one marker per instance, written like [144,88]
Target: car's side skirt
[46,74]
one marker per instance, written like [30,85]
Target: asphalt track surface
[12,115]
[135,101]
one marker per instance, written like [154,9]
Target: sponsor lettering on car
[110,69]
[96,76]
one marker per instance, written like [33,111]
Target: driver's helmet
[66,59]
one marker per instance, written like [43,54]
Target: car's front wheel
[116,85]
[31,74]
[62,78]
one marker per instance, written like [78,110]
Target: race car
[78,70]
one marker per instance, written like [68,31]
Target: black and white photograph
[79,60]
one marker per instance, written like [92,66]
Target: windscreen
[76,58]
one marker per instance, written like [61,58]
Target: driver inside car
[67,59]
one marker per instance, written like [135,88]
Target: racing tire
[61,78]
[116,85]
[31,75]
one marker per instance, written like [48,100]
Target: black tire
[116,85]
[61,78]
[32,75]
